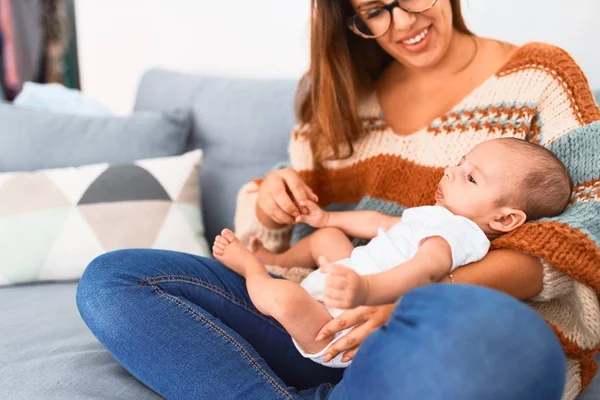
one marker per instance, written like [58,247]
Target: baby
[494,189]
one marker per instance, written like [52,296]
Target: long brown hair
[343,67]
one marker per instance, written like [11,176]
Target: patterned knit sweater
[540,95]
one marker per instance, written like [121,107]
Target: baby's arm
[358,224]
[344,288]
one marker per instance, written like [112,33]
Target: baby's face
[473,187]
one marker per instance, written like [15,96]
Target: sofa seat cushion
[49,353]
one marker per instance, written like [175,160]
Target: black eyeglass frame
[351,22]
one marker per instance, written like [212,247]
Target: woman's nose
[402,20]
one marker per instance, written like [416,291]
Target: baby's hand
[312,215]
[344,288]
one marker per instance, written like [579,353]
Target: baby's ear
[508,220]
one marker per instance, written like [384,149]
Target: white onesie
[399,244]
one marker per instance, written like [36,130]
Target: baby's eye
[472,180]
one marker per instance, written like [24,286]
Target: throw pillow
[54,222]
[33,139]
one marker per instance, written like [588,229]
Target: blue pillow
[597,96]
[32,139]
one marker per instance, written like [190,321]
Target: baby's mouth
[439,193]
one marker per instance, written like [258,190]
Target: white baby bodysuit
[400,243]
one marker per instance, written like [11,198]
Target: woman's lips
[421,45]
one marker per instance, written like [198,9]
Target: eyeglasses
[375,19]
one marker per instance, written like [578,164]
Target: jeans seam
[199,282]
[201,318]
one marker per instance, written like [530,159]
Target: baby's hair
[545,186]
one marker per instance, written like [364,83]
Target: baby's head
[503,183]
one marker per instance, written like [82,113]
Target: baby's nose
[449,173]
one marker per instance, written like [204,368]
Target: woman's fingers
[349,354]
[275,212]
[300,191]
[346,343]
[280,195]
[353,339]
[346,319]
[285,203]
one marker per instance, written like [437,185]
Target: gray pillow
[242,125]
[244,128]
[31,139]
[597,95]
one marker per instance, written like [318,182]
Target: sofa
[242,126]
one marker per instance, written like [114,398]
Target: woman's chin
[420,61]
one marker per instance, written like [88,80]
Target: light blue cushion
[32,139]
[49,353]
[597,96]
[242,125]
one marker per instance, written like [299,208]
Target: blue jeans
[184,326]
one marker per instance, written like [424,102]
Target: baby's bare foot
[231,252]
[261,253]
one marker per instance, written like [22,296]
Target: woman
[385,106]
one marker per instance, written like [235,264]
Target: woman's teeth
[417,38]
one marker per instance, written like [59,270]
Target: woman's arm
[513,272]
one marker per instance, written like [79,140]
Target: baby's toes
[229,236]
[220,244]
[218,251]
[221,240]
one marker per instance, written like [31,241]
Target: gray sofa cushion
[49,353]
[242,125]
[32,139]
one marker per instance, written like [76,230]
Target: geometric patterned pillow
[54,222]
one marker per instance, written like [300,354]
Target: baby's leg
[286,301]
[329,242]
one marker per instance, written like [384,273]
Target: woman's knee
[105,273]
[113,274]
[113,268]
[470,334]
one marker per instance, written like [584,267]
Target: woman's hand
[279,196]
[365,320]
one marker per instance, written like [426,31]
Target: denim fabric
[185,327]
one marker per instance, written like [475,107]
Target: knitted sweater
[539,95]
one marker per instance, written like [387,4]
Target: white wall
[572,24]
[119,39]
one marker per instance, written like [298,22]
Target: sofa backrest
[242,125]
